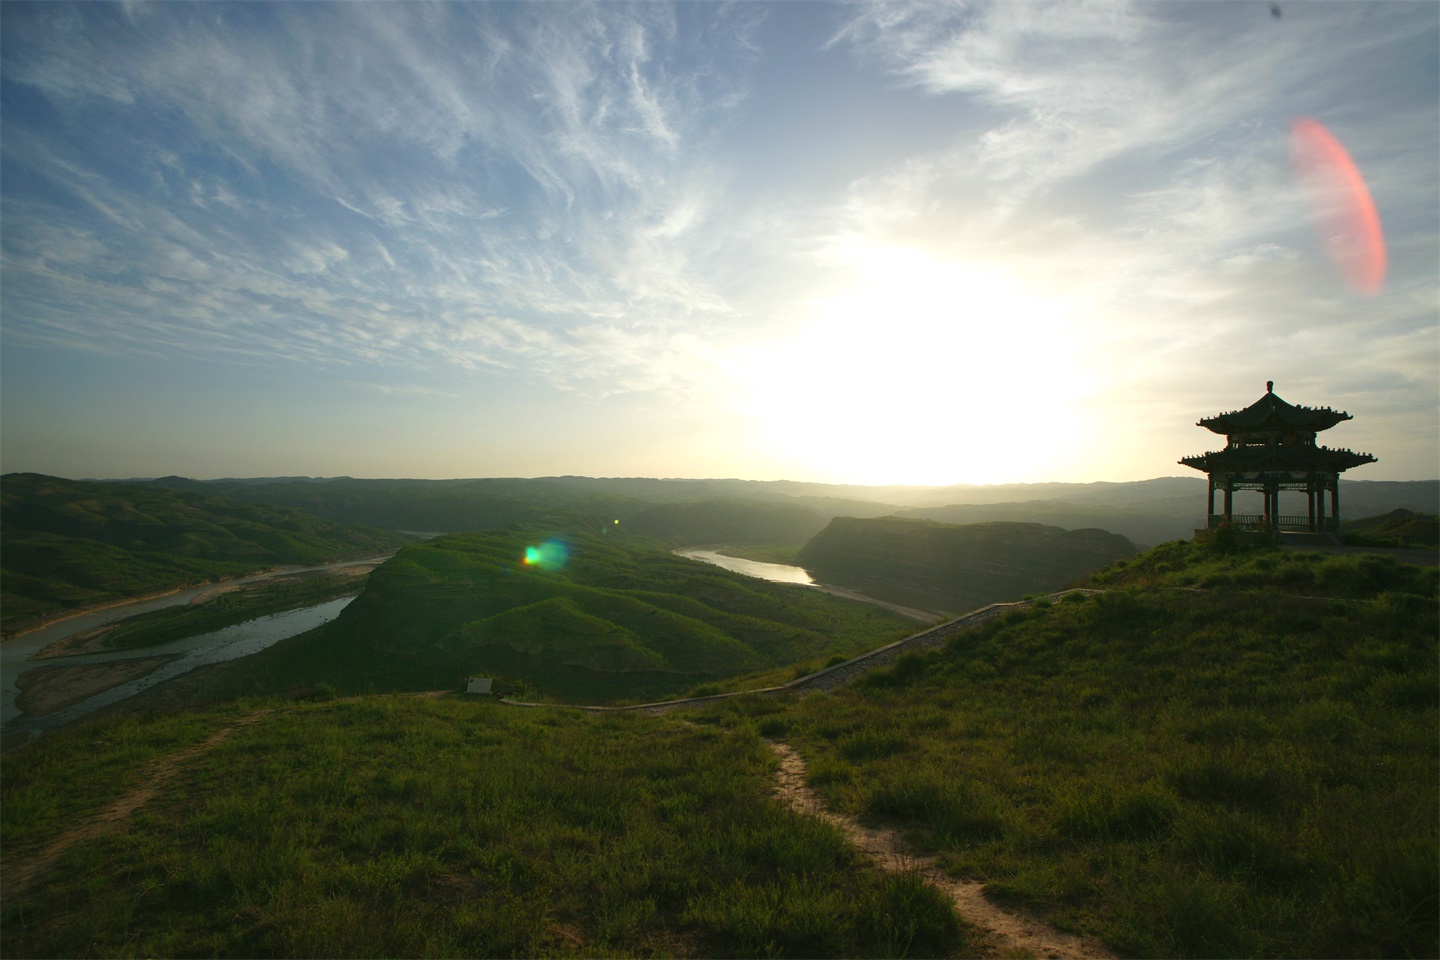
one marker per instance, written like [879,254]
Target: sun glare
[922,370]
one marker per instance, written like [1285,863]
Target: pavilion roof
[1278,457]
[1272,413]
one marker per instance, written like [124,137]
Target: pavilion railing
[1238,519]
[1258,521]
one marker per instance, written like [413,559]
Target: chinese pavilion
[1270,446]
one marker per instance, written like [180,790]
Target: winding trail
[1007,933]
[21,872]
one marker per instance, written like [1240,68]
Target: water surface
[778,572]
[217,646]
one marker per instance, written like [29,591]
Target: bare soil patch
[59,616]
[1008,933]
[45,690]
[77,644]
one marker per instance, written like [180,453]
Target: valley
[839,479]
[1211,748]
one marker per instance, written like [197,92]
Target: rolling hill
[70,544]
[955,567]
[727,521]
[1220,755]
[1400,527]
[1146,511]
[598,615]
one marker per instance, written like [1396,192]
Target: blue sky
[872,243]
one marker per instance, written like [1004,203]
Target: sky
[855,243]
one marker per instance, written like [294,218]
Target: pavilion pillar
[1270,448]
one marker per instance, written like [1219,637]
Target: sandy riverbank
[45,690]
[71,613]
[77,644]
[96,640]
[362,564]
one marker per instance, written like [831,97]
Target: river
[778,572]
[217,646]
[783,573]
[252,636]
[228,643]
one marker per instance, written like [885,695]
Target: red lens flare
[1345,216]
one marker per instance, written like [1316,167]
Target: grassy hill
[618,617]
[1400,527]
[1147,511]
[1222,754]
[413,827]
[71,543]
[727,521]
[956,567]
[444,506]
[1147,522]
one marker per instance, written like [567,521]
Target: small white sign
[478,685]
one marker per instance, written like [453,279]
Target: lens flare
[1345,214]
[550,555]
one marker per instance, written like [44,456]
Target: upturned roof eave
[1271,412]
[1305,458]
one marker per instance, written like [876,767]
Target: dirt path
[21,873]
[1008,934]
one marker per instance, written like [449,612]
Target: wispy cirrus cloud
[641,205]
[515,186]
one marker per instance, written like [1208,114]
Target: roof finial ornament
[1269,386]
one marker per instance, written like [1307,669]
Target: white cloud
[544,193]
[534,169]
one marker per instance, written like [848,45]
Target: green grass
[1224,754]
[726,521]
[1299,572]
[71,544]
[933,565]
[1398,528]
[396,826]
[622,620]
[1181,773]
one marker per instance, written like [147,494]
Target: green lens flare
[550,555]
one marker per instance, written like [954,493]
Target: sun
[921,370]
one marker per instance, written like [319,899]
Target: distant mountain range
[1145,511]
[70,543]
